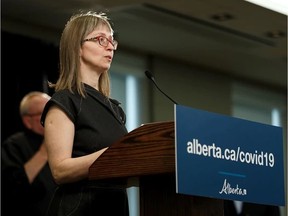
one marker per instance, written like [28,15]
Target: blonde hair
[76,29]
[25,102]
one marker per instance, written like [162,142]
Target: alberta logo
[228,189]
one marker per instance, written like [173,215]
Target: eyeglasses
[103,41]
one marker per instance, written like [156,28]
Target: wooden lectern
[148,153]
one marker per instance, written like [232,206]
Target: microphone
[151,77]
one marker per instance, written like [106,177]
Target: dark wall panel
[26,65]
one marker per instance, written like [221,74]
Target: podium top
[147,150]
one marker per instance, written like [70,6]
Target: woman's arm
[59,136]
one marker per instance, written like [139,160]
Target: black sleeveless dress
[99,122]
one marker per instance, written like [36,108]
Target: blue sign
[228,158]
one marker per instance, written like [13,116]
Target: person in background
[27,183]
[238,208]
[81,120]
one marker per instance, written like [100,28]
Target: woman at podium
[81,121]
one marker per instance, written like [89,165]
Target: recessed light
[222,17]
[276,34]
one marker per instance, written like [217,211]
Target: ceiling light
[280,6]
[276,34]
[222,17]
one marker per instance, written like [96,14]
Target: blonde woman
[81,121]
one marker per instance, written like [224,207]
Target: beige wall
[190,87]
